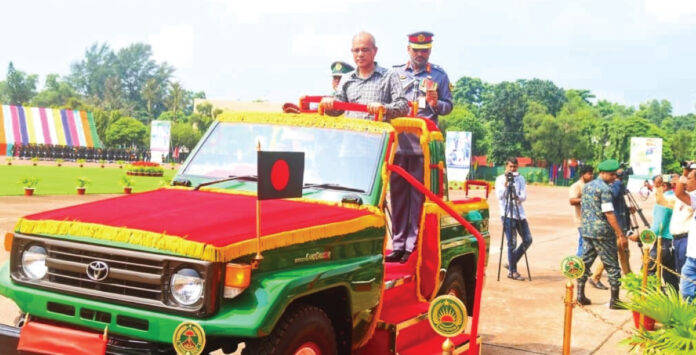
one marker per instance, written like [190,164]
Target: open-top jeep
[182,267]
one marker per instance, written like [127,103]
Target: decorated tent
[38,125]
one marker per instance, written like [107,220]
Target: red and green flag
[280,175]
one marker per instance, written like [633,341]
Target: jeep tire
[303,330]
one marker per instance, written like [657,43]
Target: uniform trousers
[407,202]
[606,249]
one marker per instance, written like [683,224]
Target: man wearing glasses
[370,84]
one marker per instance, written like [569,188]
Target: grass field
[62,180]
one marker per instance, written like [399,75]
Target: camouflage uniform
[598,236]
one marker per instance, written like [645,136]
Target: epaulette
[398,65]
[435,66]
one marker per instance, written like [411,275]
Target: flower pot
[648,323]
[102,165]
[127,190]
[28,191]
[81,165]
[81,190]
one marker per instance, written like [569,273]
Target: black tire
[302,326]
[454,285]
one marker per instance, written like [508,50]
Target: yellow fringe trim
[428,208]
[181,246]
[307,120]
[437,136]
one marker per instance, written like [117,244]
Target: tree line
[538,119]
[124,89]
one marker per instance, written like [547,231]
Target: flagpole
[258,257]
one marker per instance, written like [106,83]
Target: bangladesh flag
[280,174]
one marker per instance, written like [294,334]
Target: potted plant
[35,161]
[127,183]
[120,164]
[633,283]
[59,162]
[9,160]
[29,184]
[102,162]
[677,316]
[81,162]
[82,183]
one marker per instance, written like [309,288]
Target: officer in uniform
[338,69]
[427,85]
[601,231]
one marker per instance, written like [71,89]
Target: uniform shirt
[410,81]
[661,218]
[691,239]
[381,86]
[681,217]
[596,200]
[521,191]
[575,191]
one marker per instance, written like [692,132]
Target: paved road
[517,317]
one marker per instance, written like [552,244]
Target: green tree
[470,91]
[184,135]
[676,123]
[126,132]
[19,88]
[462,119]
[544,92]
[607,108]
[586,95]
[681,144]
[175,98]
[89,75]
[655,111]
[57,93]
[504,110]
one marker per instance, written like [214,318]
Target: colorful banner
[160,136]
[38,125]
[646,161]
[458,148]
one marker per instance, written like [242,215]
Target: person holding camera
[512,192]
[601,231]
[687,182]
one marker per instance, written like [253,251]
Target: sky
[625,51]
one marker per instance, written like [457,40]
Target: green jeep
[202,265]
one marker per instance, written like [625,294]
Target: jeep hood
[208,225]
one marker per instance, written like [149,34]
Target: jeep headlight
[187,286]
[34,262]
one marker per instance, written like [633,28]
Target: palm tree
[176,96]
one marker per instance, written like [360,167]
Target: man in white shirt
[687,182]
[514,219]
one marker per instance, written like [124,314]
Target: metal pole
[448,346]
[658,259]
[644,284]
[568,320]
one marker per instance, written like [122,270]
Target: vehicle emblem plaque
[97,270]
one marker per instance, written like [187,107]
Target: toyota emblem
[97,270]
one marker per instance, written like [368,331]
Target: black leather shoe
[404,258]
[394,256]
[515,276]
[598,284]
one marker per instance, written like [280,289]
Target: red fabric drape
[50,339]
[219,219]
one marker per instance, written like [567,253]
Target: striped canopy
[24,125]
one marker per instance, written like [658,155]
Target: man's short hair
[512,160]
[584,169]
[373,41]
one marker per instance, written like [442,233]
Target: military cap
[608,165]
[420,40]
[340,68]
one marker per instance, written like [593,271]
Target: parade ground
[517,317]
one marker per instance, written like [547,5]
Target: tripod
[511,205]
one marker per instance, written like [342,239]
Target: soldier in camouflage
[601,231]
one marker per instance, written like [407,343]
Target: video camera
[690,165]
[511,176]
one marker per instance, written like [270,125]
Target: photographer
[687,182]
[512,186]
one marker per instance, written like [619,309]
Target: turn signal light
[9,238]
[237,279]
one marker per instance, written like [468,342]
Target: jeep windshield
[333,157]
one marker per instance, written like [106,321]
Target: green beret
[608,165]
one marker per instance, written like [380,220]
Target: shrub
[29,182]
[83,181]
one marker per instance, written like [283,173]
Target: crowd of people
[70,153]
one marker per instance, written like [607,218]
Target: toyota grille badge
[97,270]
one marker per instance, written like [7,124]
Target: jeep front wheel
[303,330]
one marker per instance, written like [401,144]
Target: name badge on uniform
[421,101]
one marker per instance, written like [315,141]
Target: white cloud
[252,11]
[173,44]
[672,11]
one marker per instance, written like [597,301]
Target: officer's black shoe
[614,300]
[404,258]
[598,284]
[395,256]
[581,295]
